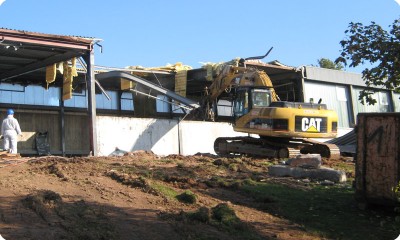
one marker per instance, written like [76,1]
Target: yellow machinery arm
[234,76]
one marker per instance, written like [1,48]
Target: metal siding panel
[5,96]
[80,101]
[17,98]
[114,100]
[107,104]
[69,103]
[396,100]
[38,95]
[29,95]
[51,97]
[380,106]
[11,87]
[103,103]
[99,101]
[333,76]
[329,95]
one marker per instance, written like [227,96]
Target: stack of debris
[307,166]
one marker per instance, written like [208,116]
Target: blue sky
[157,32]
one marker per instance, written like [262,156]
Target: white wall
[161,136]
[200,136]
[130,134]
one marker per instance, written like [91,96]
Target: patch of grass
[167,161]
[203,214]
[328,211]
[187,197]
[42,202]
[267,163]
[180,164]
[225,215]
[80,220]
[233,167]
[347,168]
[83,221]
[164,190]
[129,169]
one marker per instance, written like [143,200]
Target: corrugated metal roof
[29,33]
[333,76]
[24,54]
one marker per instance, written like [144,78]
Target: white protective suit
[10,130]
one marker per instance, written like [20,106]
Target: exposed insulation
[180,82]
[67,81]
[74,72]
[69,72]
[168,68]
[214,69]
[60,67]
[126,84]
[51,72]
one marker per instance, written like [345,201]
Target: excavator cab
[247,98]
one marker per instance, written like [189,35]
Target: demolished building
[76,114]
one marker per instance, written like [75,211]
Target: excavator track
[327,150]
[231,146]
[272,148]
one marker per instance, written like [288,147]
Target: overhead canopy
[24,55]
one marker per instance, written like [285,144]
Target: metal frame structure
[24,56]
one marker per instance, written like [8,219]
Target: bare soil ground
[129,197]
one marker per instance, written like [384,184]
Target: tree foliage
[371,44]
[327,63]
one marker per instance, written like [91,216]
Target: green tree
[326,63]
[371,44]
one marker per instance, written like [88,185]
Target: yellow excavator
[284,129]
[276,129]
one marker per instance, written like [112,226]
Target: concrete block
[321,174]
[305,161]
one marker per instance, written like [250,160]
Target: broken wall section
[117,135]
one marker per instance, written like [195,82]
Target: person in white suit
[10,130]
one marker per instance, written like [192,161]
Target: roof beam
[39,64]
[141,81]
[45,41]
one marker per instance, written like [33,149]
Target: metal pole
[89,59]
[62,125]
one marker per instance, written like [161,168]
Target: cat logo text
[311,124]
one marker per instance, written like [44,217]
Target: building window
[30,95]
[102,102]
[127,101]
[162,104]
[224,108]
[78,100]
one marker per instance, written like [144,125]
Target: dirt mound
[138,196]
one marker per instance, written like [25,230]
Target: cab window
[261,97]
[241,104]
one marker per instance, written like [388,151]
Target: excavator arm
[233,76]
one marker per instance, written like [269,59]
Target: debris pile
[307,166]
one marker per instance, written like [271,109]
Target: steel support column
[62,123]
[89,59]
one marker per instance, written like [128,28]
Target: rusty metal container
[377,158]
